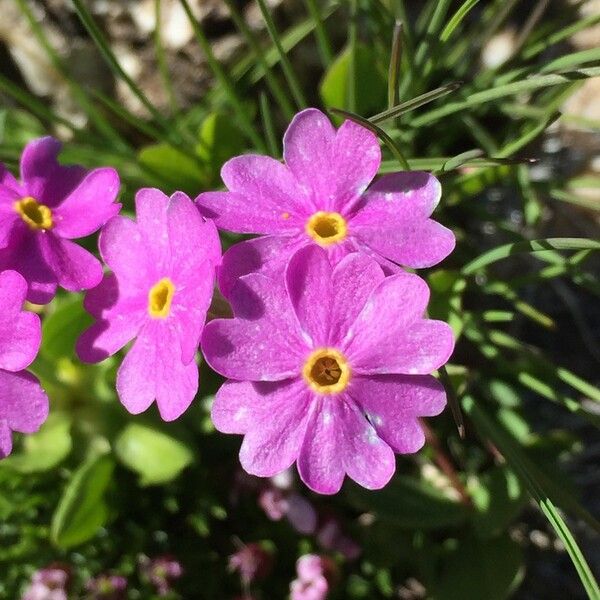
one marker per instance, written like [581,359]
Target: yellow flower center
[327,228]
[36,215]
[160,298]
[326,371]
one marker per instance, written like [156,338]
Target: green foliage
[156,456]
[96,487]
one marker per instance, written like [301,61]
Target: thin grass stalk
[323,42]
[223,79]
[286,65]
[276,89]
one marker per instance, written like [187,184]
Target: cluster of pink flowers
[328,357]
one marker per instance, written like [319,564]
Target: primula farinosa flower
[23,403]
[330,370]
[42,213]
[298,510]
[313,578]
[162,572]
[319,197]
[252,562]
[107,587]
[47,584]
[163,270]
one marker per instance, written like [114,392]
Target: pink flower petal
[120,320]
[268,255]
[340,440]
[263,197]
[8,180]
[8,215]
[308,282]
[193,240]
[393,404]
[151,207]
[89,206]
[393,220]
[353,281]
[152,370]
[265,344]
[42,176]
[74,267]
[24,255]
[23,406]
[190,305]
[336,166]
[124,249]
[20,332]
[273,443]
[321,464]
[389,335]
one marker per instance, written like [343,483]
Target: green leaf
[82,509]
[498,498]
[219,141]
[156,456]
[62,327]
[446,301]
[528,246]
[516,87]
[45,449]
[480,570]
[456,19]
[177,170]
[540,487]
[410,503]
[372,89]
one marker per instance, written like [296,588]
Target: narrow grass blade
[352,54]
[387,140]
[267,120]
[572,198]
[286,65]
[526,85]
[539,46]
[394,67]
[532,20]
[161,59]
[90,24]
[460,159]
[507,250]
[323,43]
[432,32]
[537,485]
[222,77]
[453,401]
[426,98]
[456,19]
[276,89]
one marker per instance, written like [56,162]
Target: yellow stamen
[285,215]
[326,371]
[327,228]
[160,298]
[36,215]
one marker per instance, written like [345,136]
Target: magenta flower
[313,578]
[41,214]
[162,572]
[49,583]
[252,562]
[318,197]
[23,403]
[163,271]
[330,370]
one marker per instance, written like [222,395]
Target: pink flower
[47,584]
[41,214]
[161,572]
[252,562]
[163,270]
[312,583]
[23,403]
[330,370]
[318,197]
[299,511]
[107,587]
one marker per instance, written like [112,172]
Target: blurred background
[500,99]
